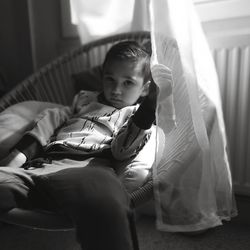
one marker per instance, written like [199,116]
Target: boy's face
[123,83]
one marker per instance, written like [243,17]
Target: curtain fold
[192,179]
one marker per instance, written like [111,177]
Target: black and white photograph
[124,125]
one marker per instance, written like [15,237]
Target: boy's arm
[31,144]
[145,115]
[134,135]
[47,122]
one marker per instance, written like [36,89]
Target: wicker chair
[54,83]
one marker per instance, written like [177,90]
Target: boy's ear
[145,90]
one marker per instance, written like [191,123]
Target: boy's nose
[117,89]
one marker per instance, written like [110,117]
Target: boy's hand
[152,95]
[14,159]
[145,116]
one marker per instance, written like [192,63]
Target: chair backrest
[54,83]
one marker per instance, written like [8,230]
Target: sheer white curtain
[97,18]
[193,188]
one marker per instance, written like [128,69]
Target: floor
[233,235]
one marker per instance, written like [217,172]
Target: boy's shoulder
[88,95]
[85,97]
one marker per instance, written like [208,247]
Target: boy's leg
[15,186]
[98,204]
[14,159]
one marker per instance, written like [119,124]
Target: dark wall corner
[15,45]
[30,37]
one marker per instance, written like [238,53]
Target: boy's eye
[108,79]
[129,83]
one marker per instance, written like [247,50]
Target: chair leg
[132,225]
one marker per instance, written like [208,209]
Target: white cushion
[17,119]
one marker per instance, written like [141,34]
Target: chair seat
[51,221]
[37,219]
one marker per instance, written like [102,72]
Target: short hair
[130,51]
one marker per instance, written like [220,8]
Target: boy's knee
[134,178]
[13,191]
[102,190]
[7,199]
[107,207]
[12,195]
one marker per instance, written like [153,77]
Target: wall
[30,36]
[225,22]
[15,52]
[46,32]
[227,27]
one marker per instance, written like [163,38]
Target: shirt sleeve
[32,142]
[30,147]
[129,141]
[132,137]
[145,114]
[47,122]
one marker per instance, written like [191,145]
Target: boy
[70,157]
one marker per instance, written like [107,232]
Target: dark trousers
[93,197]
[96,201]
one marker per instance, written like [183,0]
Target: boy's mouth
[115,100]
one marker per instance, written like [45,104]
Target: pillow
[134,173]
[17,119]
[90,79]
